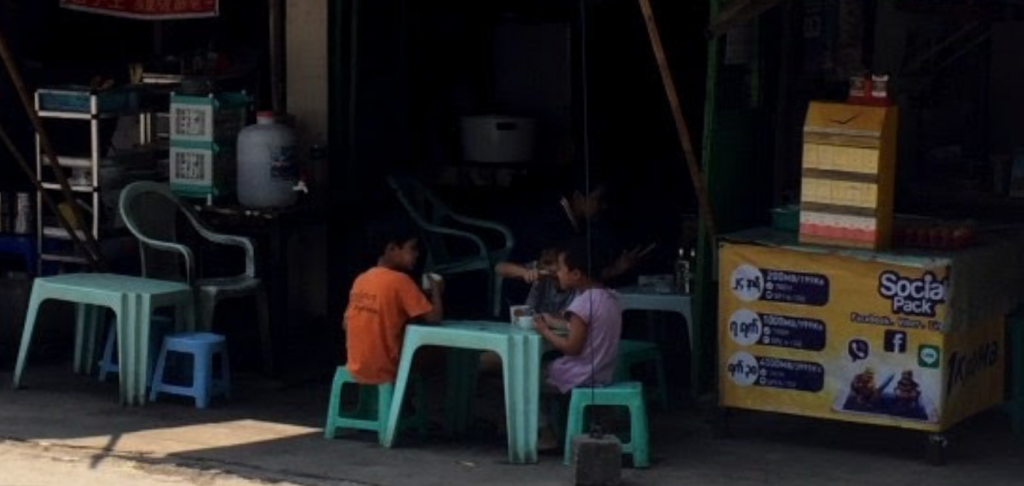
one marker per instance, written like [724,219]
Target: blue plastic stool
[629,394]
[160,326]
[202,346]
[631,353]
[23,246]
[374,405]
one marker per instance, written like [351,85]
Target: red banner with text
[147,9]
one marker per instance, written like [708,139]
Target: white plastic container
[267,165]
[498,139]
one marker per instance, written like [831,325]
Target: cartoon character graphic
[864,390]
[904,398]
[908,391]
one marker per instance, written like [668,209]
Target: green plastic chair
[631,353]
[629,394]
[451,239]
[150,211]
[372,411]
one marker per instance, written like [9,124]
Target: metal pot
[498,138]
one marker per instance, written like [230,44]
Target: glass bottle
[682,272]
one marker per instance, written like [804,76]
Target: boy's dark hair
[390,230]
[589,259]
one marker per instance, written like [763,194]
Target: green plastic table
[132,299]
[637,297]
[519,350]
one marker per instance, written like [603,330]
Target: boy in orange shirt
[383,300]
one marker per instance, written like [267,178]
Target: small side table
[132,299]
[519,350]
[635,297]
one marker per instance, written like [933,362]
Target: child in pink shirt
[587,334]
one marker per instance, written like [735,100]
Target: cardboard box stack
[204,132]
[849,167]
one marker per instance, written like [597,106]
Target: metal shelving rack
[54,243]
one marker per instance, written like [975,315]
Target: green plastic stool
[371,413]
[632,353]
[1014,405]
[629,394]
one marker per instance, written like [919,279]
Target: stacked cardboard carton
[204,132]
[849,167]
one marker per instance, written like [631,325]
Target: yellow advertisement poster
[832,336]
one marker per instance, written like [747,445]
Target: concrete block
[596,461]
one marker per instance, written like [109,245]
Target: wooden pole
[692,163]
[89,243]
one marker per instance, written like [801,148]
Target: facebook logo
[895,342]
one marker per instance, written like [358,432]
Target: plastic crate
[786,218]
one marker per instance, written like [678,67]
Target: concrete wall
[306,31]
[306,53]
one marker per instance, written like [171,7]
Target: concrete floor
[271,432]
[30,464]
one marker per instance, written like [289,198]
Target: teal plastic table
[636,297]
[519,350]
[132,299]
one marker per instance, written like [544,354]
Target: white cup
[516,311]
[524,322]
[428,280]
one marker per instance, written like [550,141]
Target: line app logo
[929,356]
[912,296]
